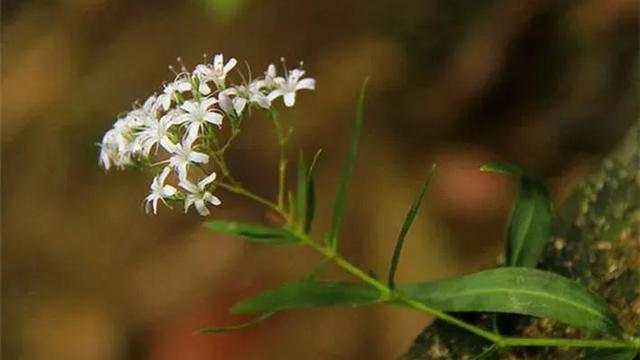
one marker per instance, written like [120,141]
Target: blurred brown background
[87,275]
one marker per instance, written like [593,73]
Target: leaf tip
[502,167]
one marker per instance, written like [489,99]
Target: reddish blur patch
[461,190]
[473,205]
[175,339]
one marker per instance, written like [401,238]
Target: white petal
[204,88]
[163,175]
[181,118]
[192,134]
[213,118]
[166,102]
[148,104]
[218,61]
[168,190]
[201,70]
[183,86]
[155,205]
[168,145]
[308,84]
[206,181]
[201,207]
[225,102]
[238,104]
[199,157]
[181,168]
[189,106]
[296,73]
[275,94]
[262,101]
[230,65]
[208,102]
[188,201]
[189,186]
[212,199]
[104,161]
[147,205]
[271,70]
[290,99]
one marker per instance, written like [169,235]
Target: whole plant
[183,134]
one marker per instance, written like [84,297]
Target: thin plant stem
[238,189]
[395,297]
[500,341]
[282,161]
[224,147]
[218,157]
[389,294]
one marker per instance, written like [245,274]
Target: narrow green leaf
[311,193]
[520,291]
[530,221]
[529,225]
[408,221]
[309,294]
[227,328]
[301,192]
[502,167]
[611,354]
[253,232]
[338,208]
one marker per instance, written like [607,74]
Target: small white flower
[250,94]
[226,103]
[287,87]
[159,191]
[269,78]
[182,155]
[156,133]
[108,150]
[148,110]
[181,84]
[198,194]
[118,142]
[197,113]
[216,72]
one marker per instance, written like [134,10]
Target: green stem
[392,296]
[218,158]
[498,340]
[282,162]
[237,189]
[224,147]
[584,343]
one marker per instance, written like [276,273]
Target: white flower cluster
[174,130]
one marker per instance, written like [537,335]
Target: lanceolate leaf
[253,232]
[309,294]
[311,193]
[406,226]
[236,327]
[520,291]
[530,224]
[338,207]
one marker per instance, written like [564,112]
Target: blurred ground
[87,275]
